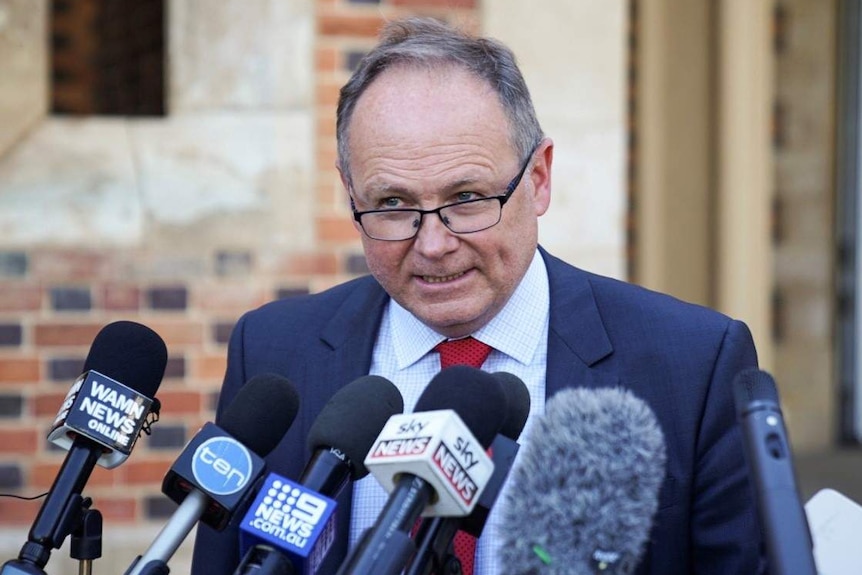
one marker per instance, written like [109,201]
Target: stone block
[240,55]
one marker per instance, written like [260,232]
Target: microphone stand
[77,519]
[86,542]
[385,548]
[433,556]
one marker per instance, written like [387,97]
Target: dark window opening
[108,57]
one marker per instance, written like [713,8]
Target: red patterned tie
[472,352]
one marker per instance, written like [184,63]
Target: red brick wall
[53,301]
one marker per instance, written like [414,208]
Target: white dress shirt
[403,353]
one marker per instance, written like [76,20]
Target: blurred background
[171,162]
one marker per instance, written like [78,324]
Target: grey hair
[429,42]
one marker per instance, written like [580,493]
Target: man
[447,171]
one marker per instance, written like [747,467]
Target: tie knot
[466,351]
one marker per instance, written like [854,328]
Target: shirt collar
[515,331]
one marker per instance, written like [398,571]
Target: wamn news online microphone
[290,527]
[99,422]
[216,473]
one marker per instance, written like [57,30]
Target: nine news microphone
[583,495]
[216,472]
[296,519]
[98,423]
[436,533]
[788,538]
[432,462]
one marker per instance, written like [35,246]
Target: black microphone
[345,430]
[99,423]
[434,457]
[585,490]
[503,450]
[299,526]
[436,533]
[788,538]
[217,471]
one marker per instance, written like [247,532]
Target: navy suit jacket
[678,357]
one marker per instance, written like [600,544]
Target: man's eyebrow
[383,189]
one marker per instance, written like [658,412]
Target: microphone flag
[294,519]
[218,465]
[439,448]
[102,410]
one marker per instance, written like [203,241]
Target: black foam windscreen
[752,386]
[262,412]
[517,404]
[353,417]
[130,353]
[476,396]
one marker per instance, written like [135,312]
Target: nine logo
[294,519]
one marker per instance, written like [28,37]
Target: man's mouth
[441,279]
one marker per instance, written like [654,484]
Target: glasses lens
[391,225]
[472,216]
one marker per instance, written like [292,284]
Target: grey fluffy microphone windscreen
[585,487]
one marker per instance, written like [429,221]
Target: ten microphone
[585,490]
[788,539]
[217,471]
[296,519]
[432,461]
[435,534]
[98,423]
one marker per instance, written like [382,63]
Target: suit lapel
[577,339]
[349,336]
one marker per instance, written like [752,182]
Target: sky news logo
[400,447]
[221,465]
[455,473]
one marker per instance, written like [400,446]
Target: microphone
[432,462]
[436,533]
[585,490]
[98,423]
[345,430]
[297,519]
[217,470]
[788,537]
[503,450]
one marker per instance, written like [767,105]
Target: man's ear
[540,175]
[345,183]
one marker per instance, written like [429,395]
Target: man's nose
[434,238]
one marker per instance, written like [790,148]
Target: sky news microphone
[583,496]
[788,539]
[436,533]
[432,462]
[217,471]
[98,423]
[297,519]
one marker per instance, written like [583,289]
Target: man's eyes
[467,195]
[396,202]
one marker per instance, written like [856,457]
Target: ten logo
[221,465]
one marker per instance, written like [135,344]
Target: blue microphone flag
[296,520]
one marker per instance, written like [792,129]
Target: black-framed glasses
[467,217]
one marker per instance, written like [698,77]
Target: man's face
[423,138]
